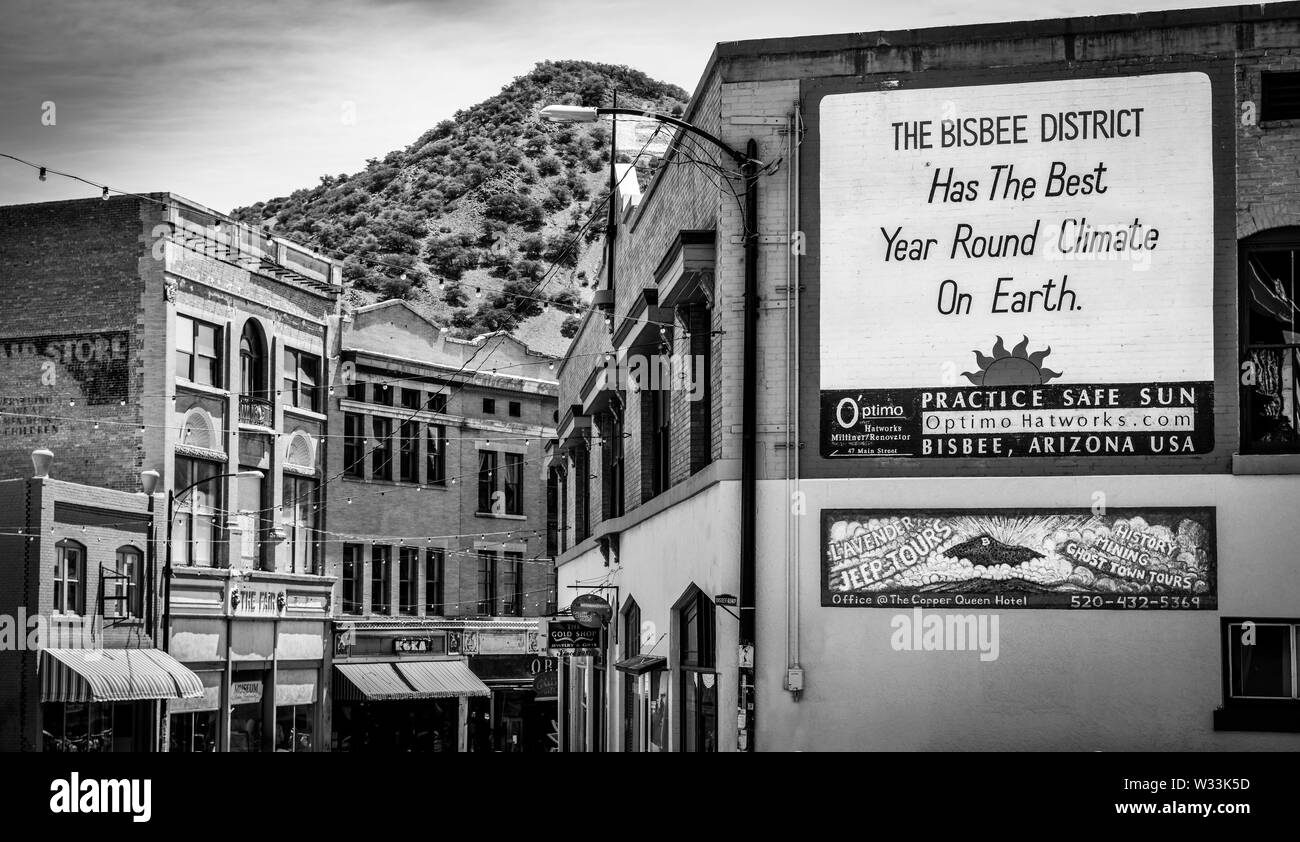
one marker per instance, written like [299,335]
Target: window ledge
[216,391]
[1284,719]
[304,413]
[500,517]
[1256,464]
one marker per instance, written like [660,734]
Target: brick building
[437,534]
[920,363]
[80,604]
[151,333]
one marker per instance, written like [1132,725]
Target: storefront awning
[115,675]
[638,664]
[406,680]
[369,683]
[439,679]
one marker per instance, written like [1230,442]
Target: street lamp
[749,165]
[149,483]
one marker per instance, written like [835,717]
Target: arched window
[124,589]
[252,361]
[1270,341]
[70,578]
[697,656]
[199,430]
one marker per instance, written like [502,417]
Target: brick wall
[69,275]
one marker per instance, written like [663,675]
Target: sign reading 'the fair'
[1018,270]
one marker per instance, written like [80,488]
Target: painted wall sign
[1152,558]
[250,600]
[1018,270]
[568,635]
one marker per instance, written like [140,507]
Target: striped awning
[440,679]
[115,675]
[406,680]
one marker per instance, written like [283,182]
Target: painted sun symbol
[1011,368]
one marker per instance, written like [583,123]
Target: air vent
[1280,98]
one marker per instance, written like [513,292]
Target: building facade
[79,602]
[437,536]
[153,334]
[1023,387]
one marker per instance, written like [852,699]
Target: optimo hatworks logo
[121,795]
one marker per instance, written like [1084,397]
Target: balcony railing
[257,411]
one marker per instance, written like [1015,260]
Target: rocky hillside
[466,220]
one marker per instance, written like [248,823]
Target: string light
[42,175]
[104,195]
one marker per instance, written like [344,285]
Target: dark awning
[638,664]
[115,675]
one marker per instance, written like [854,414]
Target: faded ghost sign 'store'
[1018,270]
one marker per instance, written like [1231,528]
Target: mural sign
[1152,558]
[1018,270]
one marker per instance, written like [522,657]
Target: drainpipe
[749,448]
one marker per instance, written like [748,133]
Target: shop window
[92,726]
[437,402]
[613,473]
[487,584]
[699,682]
[69,578]
[553,513]
[435,454]
[515,409]
[552,591]
[197,529]
[411,399]
[123,588]
[1260,677]
[299,515]
[354,446]
[1270,342]
[514,484]
[1279,96]
[435,561]
[252,514]
[581,494]
[631,647]
[294,727]
[301,379]
[408,598]
[381,458]
[198,351]
[408,453]
[194,732]
[380,561]
[487,483]
[252,362]
[353,570]
[660,440]
[511,581]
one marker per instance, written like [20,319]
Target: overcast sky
[230,103]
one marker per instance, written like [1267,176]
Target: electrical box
[794,679]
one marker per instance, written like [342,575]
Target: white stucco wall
[695,541]
[1065,679]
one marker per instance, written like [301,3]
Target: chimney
[41,460]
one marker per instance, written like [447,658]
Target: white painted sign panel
[995,258]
